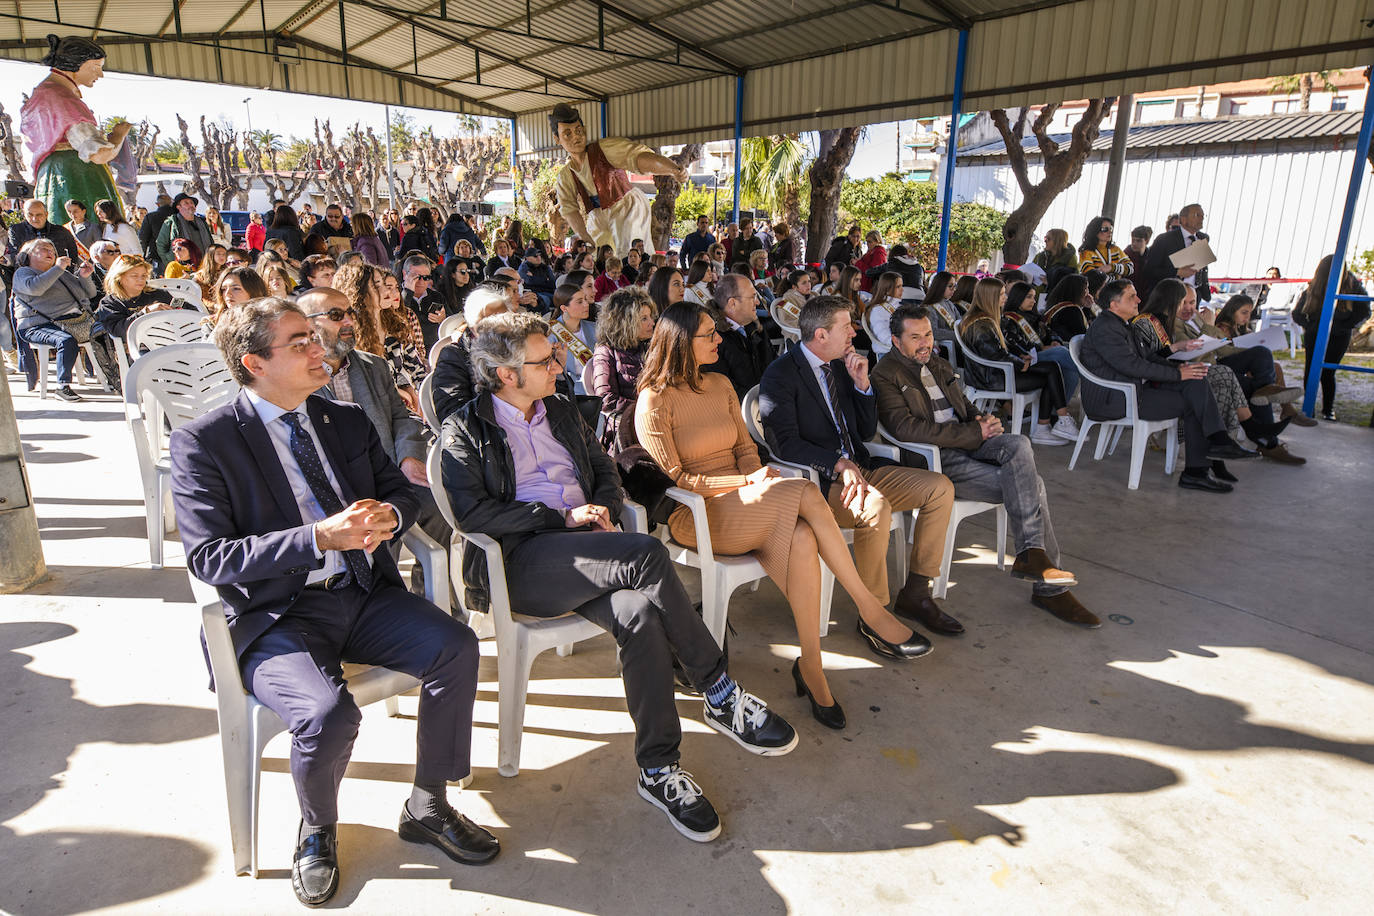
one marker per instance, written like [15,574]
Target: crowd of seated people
[672,345]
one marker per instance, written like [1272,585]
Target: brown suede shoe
[1275,394]
[1068,609]
[1281,454]
[1034,565]
[1296,417]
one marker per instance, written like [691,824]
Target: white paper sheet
[1271,337]
[1197,255]
[1209,344]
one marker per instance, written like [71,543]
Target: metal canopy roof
[666,70]
[1191,132]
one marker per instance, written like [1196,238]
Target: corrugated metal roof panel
[1209,131]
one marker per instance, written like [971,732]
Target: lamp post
[249,112]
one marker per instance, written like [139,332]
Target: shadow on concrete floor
[161,585]
[53,725]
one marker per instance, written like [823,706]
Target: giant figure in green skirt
[71,155]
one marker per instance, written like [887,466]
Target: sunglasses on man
[335,314]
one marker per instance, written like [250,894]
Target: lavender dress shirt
[544,471]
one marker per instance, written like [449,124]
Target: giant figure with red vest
[594,193]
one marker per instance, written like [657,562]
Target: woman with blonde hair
[690,423]
[279,282]
[981,332]
[1058,252]
[128,295]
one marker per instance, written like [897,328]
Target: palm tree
[1302,84]
[772,170]
[170,151]
[267,140]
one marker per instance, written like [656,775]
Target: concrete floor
[1209,747]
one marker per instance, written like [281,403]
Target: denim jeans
[1002,470]
[67,349]
[1060,357]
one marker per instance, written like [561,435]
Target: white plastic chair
[749,408]
[175,384]
[427,411]
[42,354]
[245,725]
[519,639]
[790,332]
[963,508]
[158,329]
[435,350]
[983,397]
[451,325]
[587,387]
[1278,313]
[1140,429]
[181,288]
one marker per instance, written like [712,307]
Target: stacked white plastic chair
[164,389]
[152,330]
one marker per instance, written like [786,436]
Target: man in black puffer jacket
[521,466]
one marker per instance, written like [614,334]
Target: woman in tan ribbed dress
[690,422]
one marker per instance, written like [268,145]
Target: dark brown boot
[1034,565]
[914,603]
[1068,609]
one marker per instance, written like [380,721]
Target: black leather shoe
[830,716]
[914,647]
[315,867]
[926,612]
[1205,482]
[1230,452]
[459,838]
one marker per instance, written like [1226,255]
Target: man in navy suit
[282,500]
[818,409]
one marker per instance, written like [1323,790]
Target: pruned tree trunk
[665,201]
[1062,167]
[1305,92]
[195,183]
[826,175]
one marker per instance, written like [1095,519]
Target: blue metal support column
[1333,281]
[604,129]
[739,137]
[514,160]
[961,58]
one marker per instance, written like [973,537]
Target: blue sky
[159,100]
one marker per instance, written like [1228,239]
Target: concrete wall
[1276,209]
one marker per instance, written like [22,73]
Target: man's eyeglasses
[299,347]
[548,363]
[335,314]
[426,278]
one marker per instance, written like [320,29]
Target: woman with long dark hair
[375,296]
[666,287]
[287,227]
[1069,308]
[1027,332]
[690,423]
[981,332]
[1348,316]
[1098,253]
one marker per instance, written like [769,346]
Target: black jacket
[1114,352]
[1066,320]
[912,273]
[980,338]
[418,240]
[148,232]
[115,312]
[1158,267]
[743,356]
[22,233]
[295,241]
[327,232]
[479,475]
[1343,321]
[457,228]
[796,418]
[841,252]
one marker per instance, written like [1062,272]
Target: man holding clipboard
[1169,255]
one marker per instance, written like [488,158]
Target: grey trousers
[625,584]
[1002,469]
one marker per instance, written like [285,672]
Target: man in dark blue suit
[282,500]
[818,409]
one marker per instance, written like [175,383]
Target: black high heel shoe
[914,647]
[829,716]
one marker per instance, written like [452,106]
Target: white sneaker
[1043,436]
[1065,428]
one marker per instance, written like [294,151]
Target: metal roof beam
[578,43]
[460,40]
[895,6]
[652,29]
[955,19]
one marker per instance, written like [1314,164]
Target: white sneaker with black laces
[754,726]
[674,792]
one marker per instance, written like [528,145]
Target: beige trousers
[895,489]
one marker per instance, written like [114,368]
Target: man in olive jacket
[920,399]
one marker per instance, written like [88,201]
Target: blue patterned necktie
[832,392]
[308,458]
